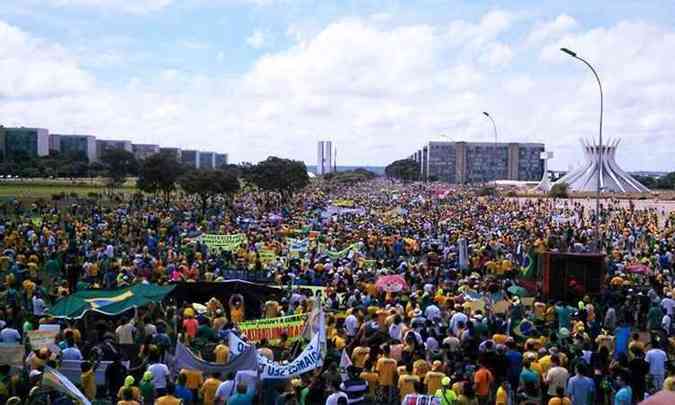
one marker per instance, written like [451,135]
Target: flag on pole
[57,381]
[345,363]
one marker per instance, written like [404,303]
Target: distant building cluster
[36,142]
[479,162]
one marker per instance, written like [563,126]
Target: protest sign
[267,256]
[273,328]
[308,360]
[217,243]
[39,339]
[12,354]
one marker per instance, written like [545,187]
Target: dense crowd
[459,329]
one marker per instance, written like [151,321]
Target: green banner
[273,328]
[342,253]
[217,243]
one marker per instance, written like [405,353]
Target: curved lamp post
[600,155]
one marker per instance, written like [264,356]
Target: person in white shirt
[666,322]
[668,304]
[10,335]
[556,377]
[39,306]
[225,390]
[160,374]
[351,325]
[125,333]
[657,365]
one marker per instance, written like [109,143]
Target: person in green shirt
[445,393]
[147,388]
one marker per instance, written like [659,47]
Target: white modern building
[324,158]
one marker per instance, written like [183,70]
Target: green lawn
[45,189]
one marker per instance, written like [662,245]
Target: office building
[25,142]
[84,145]
[207,160]
[479,162]
[177,152]
[221,160]
[324,158]
[104,145]
[144,150]
[190,158]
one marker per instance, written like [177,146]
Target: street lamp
[493,125]
[599,182]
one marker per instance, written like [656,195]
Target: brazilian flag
[529,270]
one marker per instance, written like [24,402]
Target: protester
[426,288]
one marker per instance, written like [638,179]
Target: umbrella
[638,268]
[392,283]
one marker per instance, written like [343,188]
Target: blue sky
[379,78]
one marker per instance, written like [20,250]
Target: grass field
[47,188]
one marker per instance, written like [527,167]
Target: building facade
[177,152]
[324,158]
[207,160]
[221,160]
[25,142]
[190,158]
[103,145]
[479,162]
[144,150]
[84,145]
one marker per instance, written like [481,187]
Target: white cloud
[552,29]
[256,40]
[32,67]
[380,90]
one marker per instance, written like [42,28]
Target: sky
[255,78]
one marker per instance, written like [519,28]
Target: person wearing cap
[129,383]
[147,388]
[445,393]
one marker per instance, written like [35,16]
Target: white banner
[308,360]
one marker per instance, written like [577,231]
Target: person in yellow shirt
[386,369]
[222,353]
[433,379]
[502,396]
[208,390]
[420,368]
[445,394]
[407,381]
[560,398]
[169,398]
[371,377]
[88,380]
[360,355]
[194,378]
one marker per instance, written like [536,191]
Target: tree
[119,164]
[559,190]
[206,184]
[666,182]
[404,169]
[275,174]
[159,173]
[647,181]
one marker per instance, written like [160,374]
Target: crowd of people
[460,329]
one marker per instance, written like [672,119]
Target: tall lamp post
[494,126]
[599,183]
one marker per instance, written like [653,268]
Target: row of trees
[163,174]
[404,170]
[665,182]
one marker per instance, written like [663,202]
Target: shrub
[559,190]
[487,191]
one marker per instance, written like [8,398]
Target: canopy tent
[108,302]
